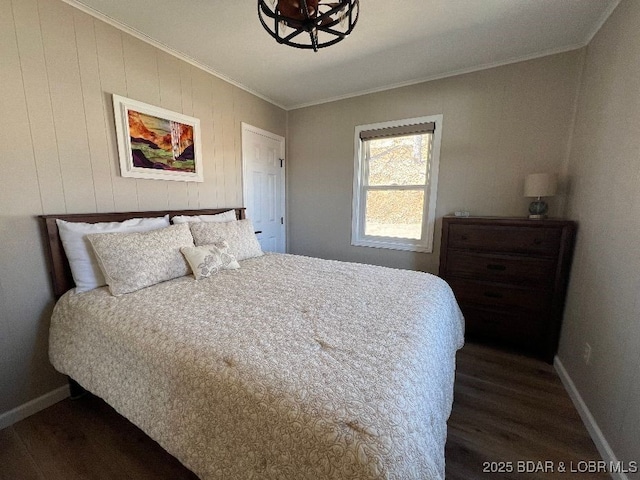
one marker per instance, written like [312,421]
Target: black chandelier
[326,23]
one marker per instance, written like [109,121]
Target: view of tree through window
[395,184]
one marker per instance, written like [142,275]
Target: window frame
[358,237]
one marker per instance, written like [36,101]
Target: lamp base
[538,209]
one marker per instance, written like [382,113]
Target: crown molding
[477,68]
[605,16]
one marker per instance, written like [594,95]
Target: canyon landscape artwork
[159,143]
[156,143]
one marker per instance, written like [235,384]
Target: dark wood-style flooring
[507,408]
[510,408]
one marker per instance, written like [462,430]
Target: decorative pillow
[131,261]
[207,260]
[229,216]
[84,266]
[240,235]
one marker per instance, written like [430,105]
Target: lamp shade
[540,185]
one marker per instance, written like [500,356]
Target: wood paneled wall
[58,70]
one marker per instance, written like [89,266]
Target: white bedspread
[288,368]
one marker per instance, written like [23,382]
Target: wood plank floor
[507,408]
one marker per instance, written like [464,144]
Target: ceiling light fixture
[326,23]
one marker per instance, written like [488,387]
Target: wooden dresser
[509,276]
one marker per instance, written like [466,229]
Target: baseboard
[592,427]
[34,406]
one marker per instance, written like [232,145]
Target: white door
[263,185]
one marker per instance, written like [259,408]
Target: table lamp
[539,185]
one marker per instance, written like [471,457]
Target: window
[395,184]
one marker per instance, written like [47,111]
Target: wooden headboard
[56,257]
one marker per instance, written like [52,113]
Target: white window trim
[358,238]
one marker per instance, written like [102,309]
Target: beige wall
[58,70]
[604,296]
[499,125]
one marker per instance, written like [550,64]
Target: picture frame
[156,143]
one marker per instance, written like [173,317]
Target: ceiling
[396,42]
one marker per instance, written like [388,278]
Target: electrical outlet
[586,354]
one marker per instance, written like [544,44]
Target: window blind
[399,131]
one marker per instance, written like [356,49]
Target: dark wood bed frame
[57,259]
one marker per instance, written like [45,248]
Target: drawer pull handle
[496,266]
[537,241]
[492,295]
[464,237]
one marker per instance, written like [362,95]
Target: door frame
[247,128]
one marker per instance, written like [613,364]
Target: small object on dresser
[461,213]
[509,277]
[539,185]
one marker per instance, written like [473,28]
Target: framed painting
[157,143]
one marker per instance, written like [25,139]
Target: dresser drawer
[540,240]
[513,328]
[501,268]
[501,296]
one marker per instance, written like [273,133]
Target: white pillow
[208,260]
[84,266]
[131,261]
[228,216]
[240,235]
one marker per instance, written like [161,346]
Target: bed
[288,367]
